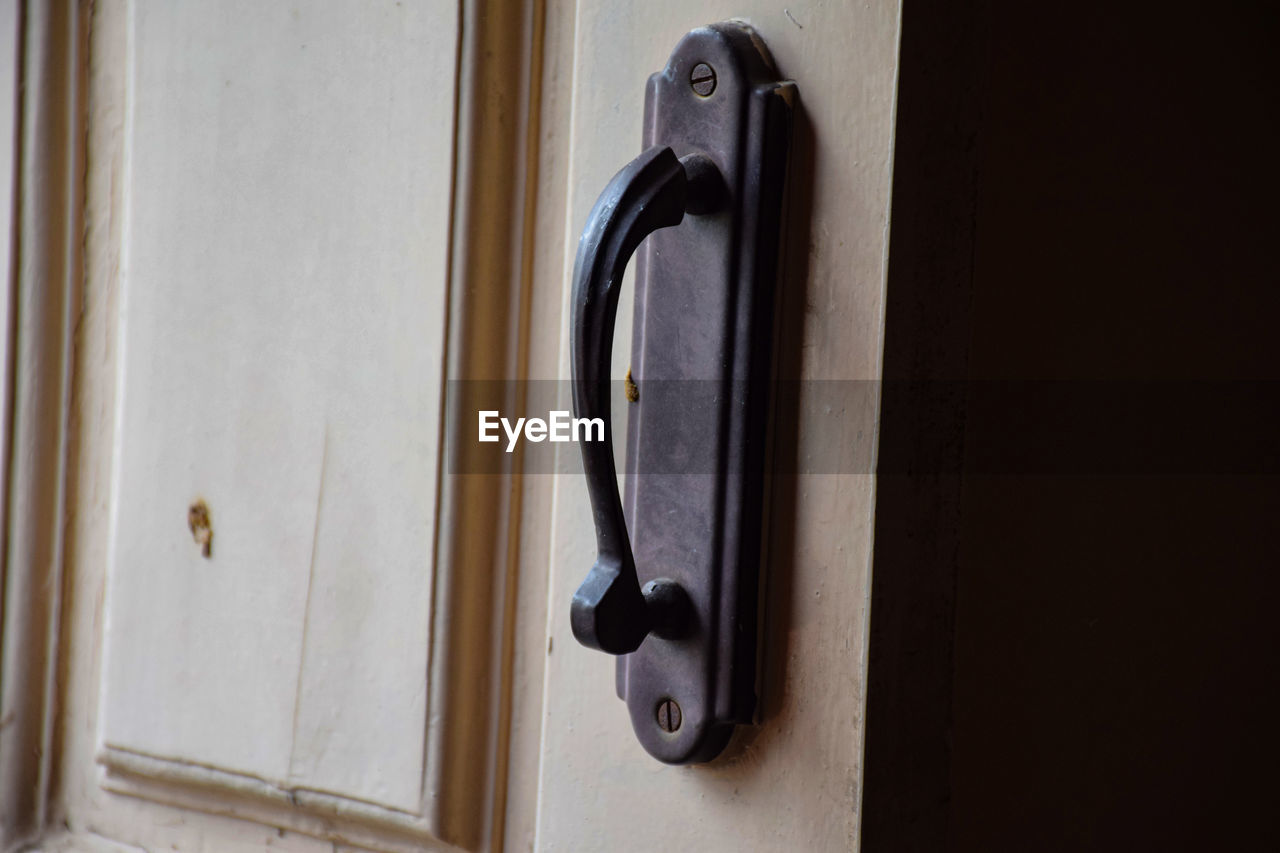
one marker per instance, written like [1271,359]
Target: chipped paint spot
[201,527]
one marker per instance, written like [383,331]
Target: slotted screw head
[668,715]
[703,79]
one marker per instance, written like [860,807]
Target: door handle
[610,611]
[716,139]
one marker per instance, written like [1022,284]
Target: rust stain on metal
[201,526]
[633,392]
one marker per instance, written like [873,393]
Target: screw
[703,79]
[668,715]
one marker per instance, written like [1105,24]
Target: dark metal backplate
[702,360]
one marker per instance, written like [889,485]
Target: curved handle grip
[609,610]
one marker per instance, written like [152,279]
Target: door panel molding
[42,286]
[471,669]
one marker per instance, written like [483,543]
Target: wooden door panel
[793,783]
[286,182]
[303,227]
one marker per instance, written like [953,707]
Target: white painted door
[792,783]
[280,620]
[279,614]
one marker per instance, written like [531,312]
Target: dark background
[1074,628]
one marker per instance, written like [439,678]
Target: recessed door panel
[286,185]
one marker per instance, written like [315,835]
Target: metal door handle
[610,612]
[717,122]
